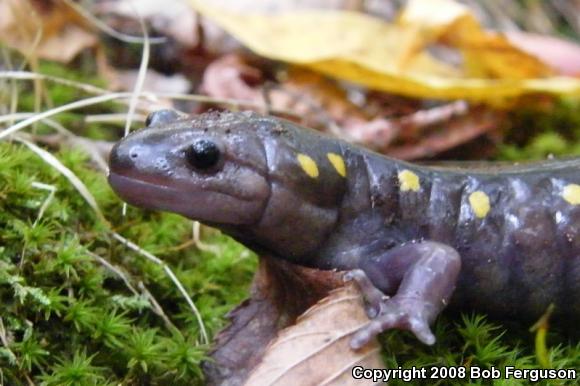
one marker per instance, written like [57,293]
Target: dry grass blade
[112,118]
[117,271]
[140,77]
[110,31]
[154,304]
[92,148]
[51,191]
[57,110]
[89,146]
[68,174]
[15,117]
[138,85]
[171,275]
[151,96]
[27,75]
[196,239]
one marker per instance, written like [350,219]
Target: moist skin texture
[504,241]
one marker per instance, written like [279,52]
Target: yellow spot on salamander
[338,163]
[571,193]
[479,202]
[409,181]
[308,165]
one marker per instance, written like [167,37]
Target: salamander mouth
[139,192]
[196,204]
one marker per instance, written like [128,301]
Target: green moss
[473,341]
[70,320]
[536,133]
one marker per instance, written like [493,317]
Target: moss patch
[67,319]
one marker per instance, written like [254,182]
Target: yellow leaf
[486,54]
[393,57]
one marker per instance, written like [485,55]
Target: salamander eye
[203,154]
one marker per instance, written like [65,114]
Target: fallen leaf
[49,30]
[280,293]
[393,57]
[315,350]
[155,82]
[230,77]
[455,132]
[562,55]
[318,101]
[380,133]
[487,55]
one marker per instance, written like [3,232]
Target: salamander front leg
[421,276]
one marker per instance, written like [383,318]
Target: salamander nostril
[123,156]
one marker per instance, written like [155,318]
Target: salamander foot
[420,275]
[386,313]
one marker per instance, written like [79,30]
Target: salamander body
[506,241]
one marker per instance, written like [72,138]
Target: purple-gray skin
[506,241]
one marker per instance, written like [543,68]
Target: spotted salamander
[414,238]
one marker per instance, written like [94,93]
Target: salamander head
[265,181]
[210,168]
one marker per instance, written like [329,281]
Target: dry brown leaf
[315,350]
[457,131]
[155,82]
[314,98]
[230,77]
[280,293]
[49,30]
